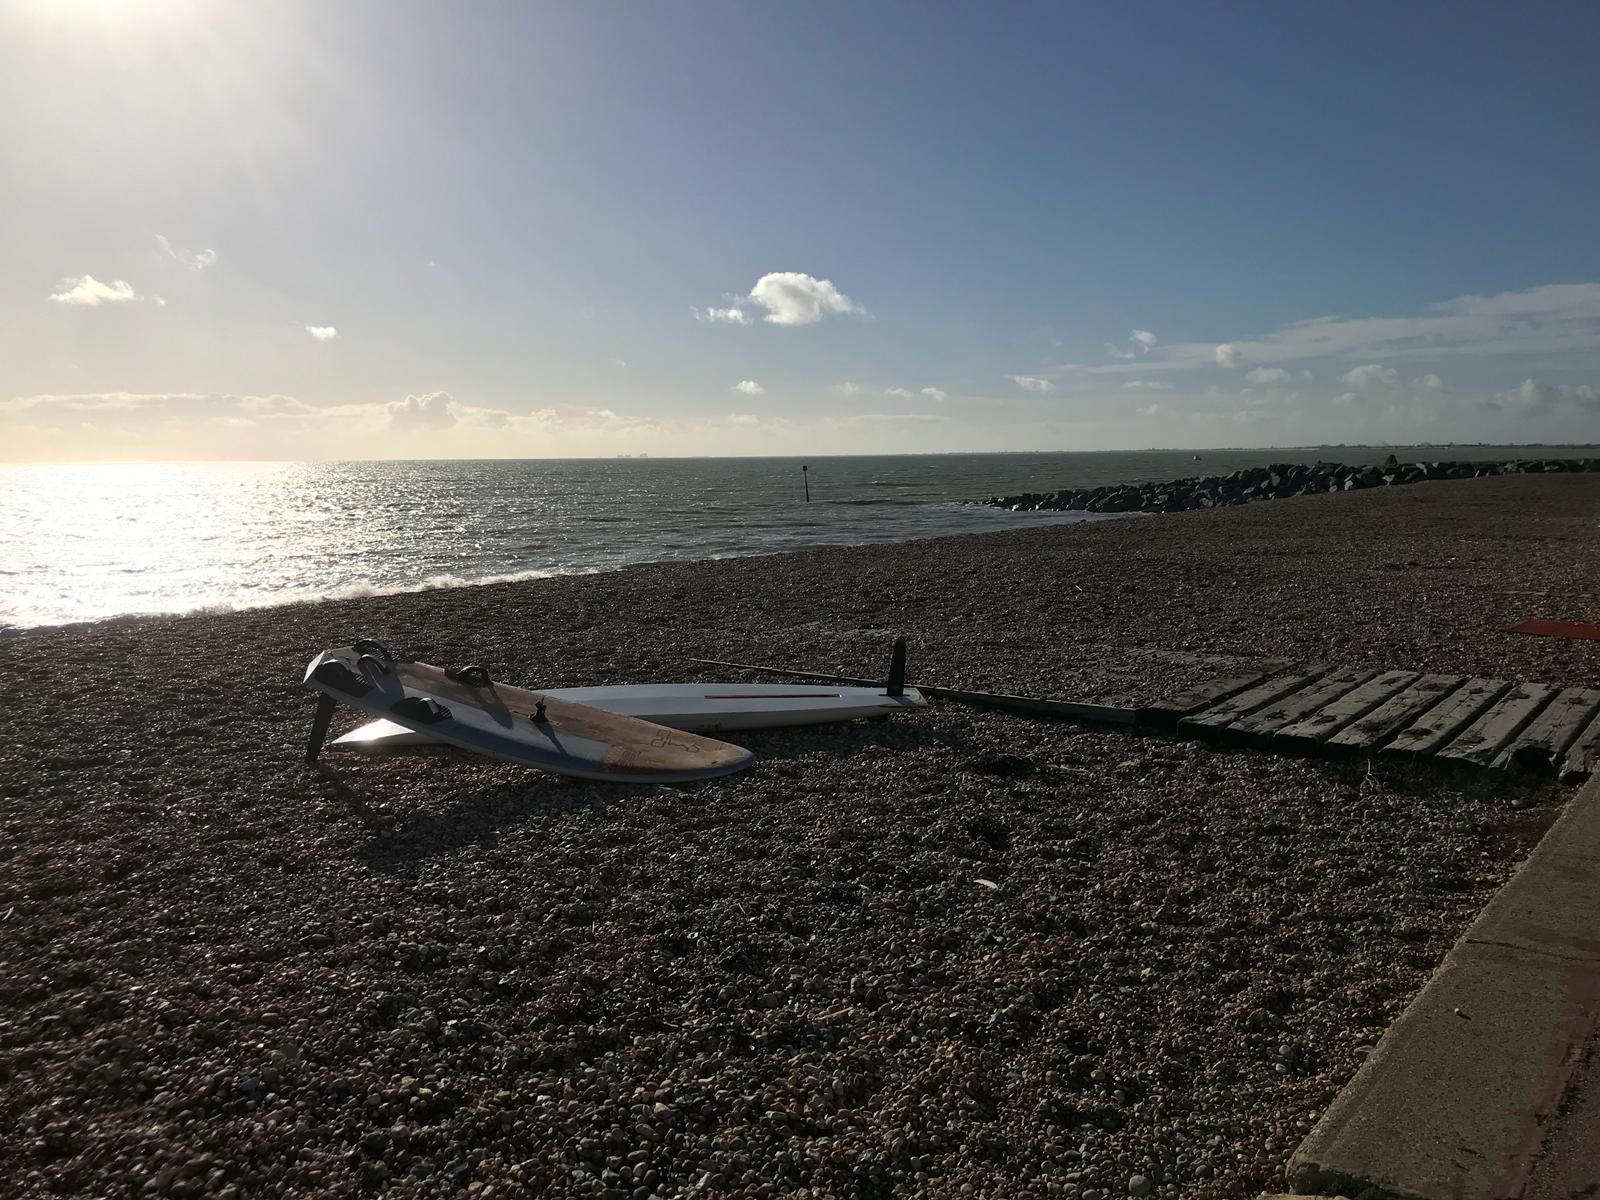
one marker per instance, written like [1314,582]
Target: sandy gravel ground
[960,954]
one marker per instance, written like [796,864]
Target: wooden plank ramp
[1367,733]
[1581,756]
[1489,724]
[1169,711]
[1259,727]
[1481,742]
[1310,732]
[1542,745]
[1437,727]
[1209,722]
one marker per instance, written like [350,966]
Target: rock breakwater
[1276,482]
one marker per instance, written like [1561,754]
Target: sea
[91,542]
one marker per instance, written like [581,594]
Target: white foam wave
[12,623]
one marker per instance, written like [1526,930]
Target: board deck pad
[504,722]
[697,707]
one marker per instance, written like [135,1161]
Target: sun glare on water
[132,537]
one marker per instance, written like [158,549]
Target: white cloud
[743,419]
[1140,341]
[437,410]
[193,262]
[1268,375]
[795,298]
[1033,383]
[936,394]
[784,298]
[890,418]
[1147,385]
[163,405]
[730,315]
[323,333]
[1150,410]
[1428,383]
[1551,317]
[173,410]
[1540,398]
[89,292]
[849,389]
[749,387]
[1229,355]
[1370,378]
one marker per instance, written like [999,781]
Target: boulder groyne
[1276,482]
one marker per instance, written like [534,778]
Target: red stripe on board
[1560,629]
[780,696]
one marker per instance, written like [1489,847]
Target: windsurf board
[533,729]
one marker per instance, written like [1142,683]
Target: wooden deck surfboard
[505,722]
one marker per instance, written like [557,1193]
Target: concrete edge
[1454,1102]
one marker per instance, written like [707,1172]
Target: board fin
[897,668]
[319,726]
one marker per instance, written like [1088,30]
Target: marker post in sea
[805,478]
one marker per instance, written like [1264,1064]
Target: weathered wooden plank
[1434,729]
[1480,742]
[1208,721]
[1167,712]
[1317,727]
[1542,745]
[1258,728]
[1371,731]
[1581,756]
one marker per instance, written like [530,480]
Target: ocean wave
[14,623]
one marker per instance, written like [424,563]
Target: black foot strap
[424,710]
[319,727]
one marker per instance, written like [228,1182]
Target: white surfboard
[697,707]
[469,710]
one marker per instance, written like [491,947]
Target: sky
[390,228]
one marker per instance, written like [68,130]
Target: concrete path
[1568,1164]
[1482,1089]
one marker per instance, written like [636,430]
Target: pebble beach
[957,954]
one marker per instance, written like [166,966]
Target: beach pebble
[430,975]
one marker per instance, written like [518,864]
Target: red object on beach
[1561,629]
